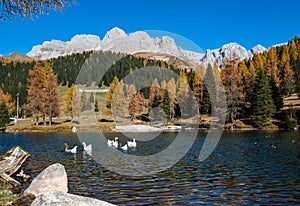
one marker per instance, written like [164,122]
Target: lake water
[237,172]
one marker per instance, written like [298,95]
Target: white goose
[131,143]
[110,142]
[72,150]
[115,143]
[87,148]
[124,147]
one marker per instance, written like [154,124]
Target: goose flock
[124,147]
[88,149]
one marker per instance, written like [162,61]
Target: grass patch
[7,196]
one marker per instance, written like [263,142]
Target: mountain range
[117,40]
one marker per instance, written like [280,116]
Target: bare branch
[29,8]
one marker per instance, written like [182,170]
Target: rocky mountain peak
[114,33]
[117,40]
[258,49]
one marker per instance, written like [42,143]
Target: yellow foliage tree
[6,98]
[72,102]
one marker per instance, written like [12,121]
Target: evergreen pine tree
[4,116]
[209,93]
[166,104]
[96,109]
[172,95]
[263,104]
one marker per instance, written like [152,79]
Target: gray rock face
[227,51]
[53,178]
[56,198]
[117,40]
[258,49]
[56,48]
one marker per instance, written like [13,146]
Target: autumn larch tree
[36,92]
[155,96]
[232,81]
[119,102]
[72,102]
[183,93]
[198,88]
[110,92]
[6,98]
[131,91]
[51,94]
[136,105]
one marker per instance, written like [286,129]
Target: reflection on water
[238,171]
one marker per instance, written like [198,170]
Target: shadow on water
[243,169]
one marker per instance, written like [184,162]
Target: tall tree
[287,79]
[72,102]
[119,102]
[209,100]
[136,105]
[110,92]
[51,94]
[171,86]
[131,91]
[4,116]
[36,92]
[198,88]
[263,105]
[96,109]
[155,96]
[85,100]
[232,81]
[6,98]
[166,104]
[183,93]
[271,65]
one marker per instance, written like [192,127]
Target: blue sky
[209,24]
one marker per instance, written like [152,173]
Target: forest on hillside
[255,88]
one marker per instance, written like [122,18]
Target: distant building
[93,90]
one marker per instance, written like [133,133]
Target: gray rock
[53,178]
[258,49]
[115,40]
[56,198]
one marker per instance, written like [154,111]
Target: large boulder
[56,198]
[53,178]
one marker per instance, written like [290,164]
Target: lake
[243,169]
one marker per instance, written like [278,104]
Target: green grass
[7,196]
